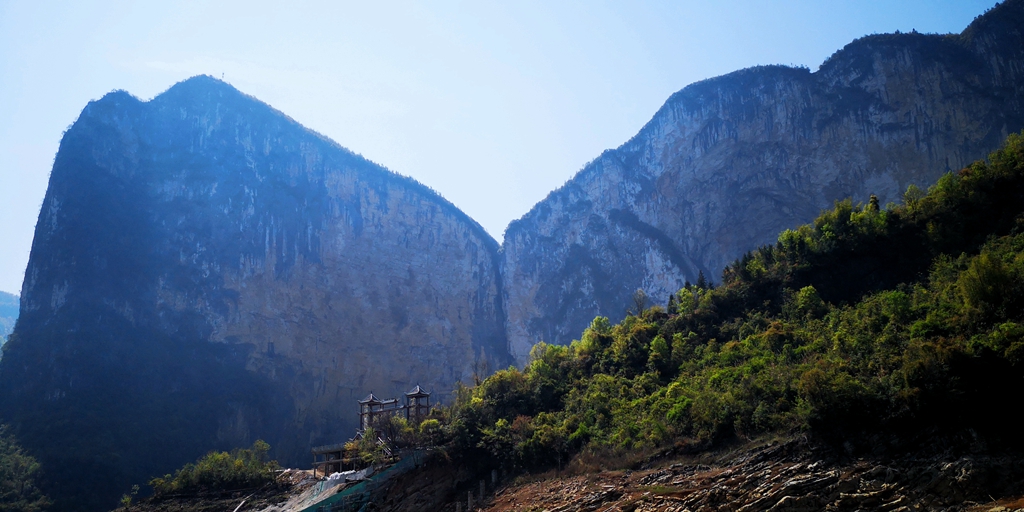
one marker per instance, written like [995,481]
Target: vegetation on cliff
[18,491]
[221,471]
[871,326]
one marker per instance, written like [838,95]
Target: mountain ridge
[187,88]
[768,147]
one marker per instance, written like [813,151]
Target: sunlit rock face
[206,272]
[728,163]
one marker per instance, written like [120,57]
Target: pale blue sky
[491,104]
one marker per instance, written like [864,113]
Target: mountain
[206,272]
[878,332]
[8,314]
[728,163]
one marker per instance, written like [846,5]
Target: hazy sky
[491,104]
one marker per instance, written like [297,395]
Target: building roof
[417,392]
[370,399]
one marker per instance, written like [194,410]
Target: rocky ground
[790,475]
[777,477]
[427,485]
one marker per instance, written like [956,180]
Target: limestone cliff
[728,163]
[206,272]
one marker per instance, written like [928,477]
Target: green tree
[371,447]
[430,431]
[218,471]
[17,470]
[660,354]
[126,499]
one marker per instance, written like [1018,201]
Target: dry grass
[668,490]
[1012,503]
[597,459]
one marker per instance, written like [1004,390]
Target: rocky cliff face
[728,163]
[205,272]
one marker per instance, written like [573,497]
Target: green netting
[354,497]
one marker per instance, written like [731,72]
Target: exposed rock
[206,272]
[730,162]
[777,477]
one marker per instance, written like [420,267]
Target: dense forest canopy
[874,327]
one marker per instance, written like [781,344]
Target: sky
[491,104]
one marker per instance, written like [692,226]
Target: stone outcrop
[790,476]
[728,163]
[206,272]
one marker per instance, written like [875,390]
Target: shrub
[221,471]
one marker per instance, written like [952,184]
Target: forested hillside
[729,162]
[876,327]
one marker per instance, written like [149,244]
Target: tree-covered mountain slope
[873,328]
[729,162]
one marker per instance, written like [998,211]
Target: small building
[417,404]
[332,458]
[416,407]
[329,458]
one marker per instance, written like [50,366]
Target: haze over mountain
[8,314]
[206,272]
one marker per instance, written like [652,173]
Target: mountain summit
[728,163]
[206,272]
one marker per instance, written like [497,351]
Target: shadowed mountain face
[728,163]
[206,272]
